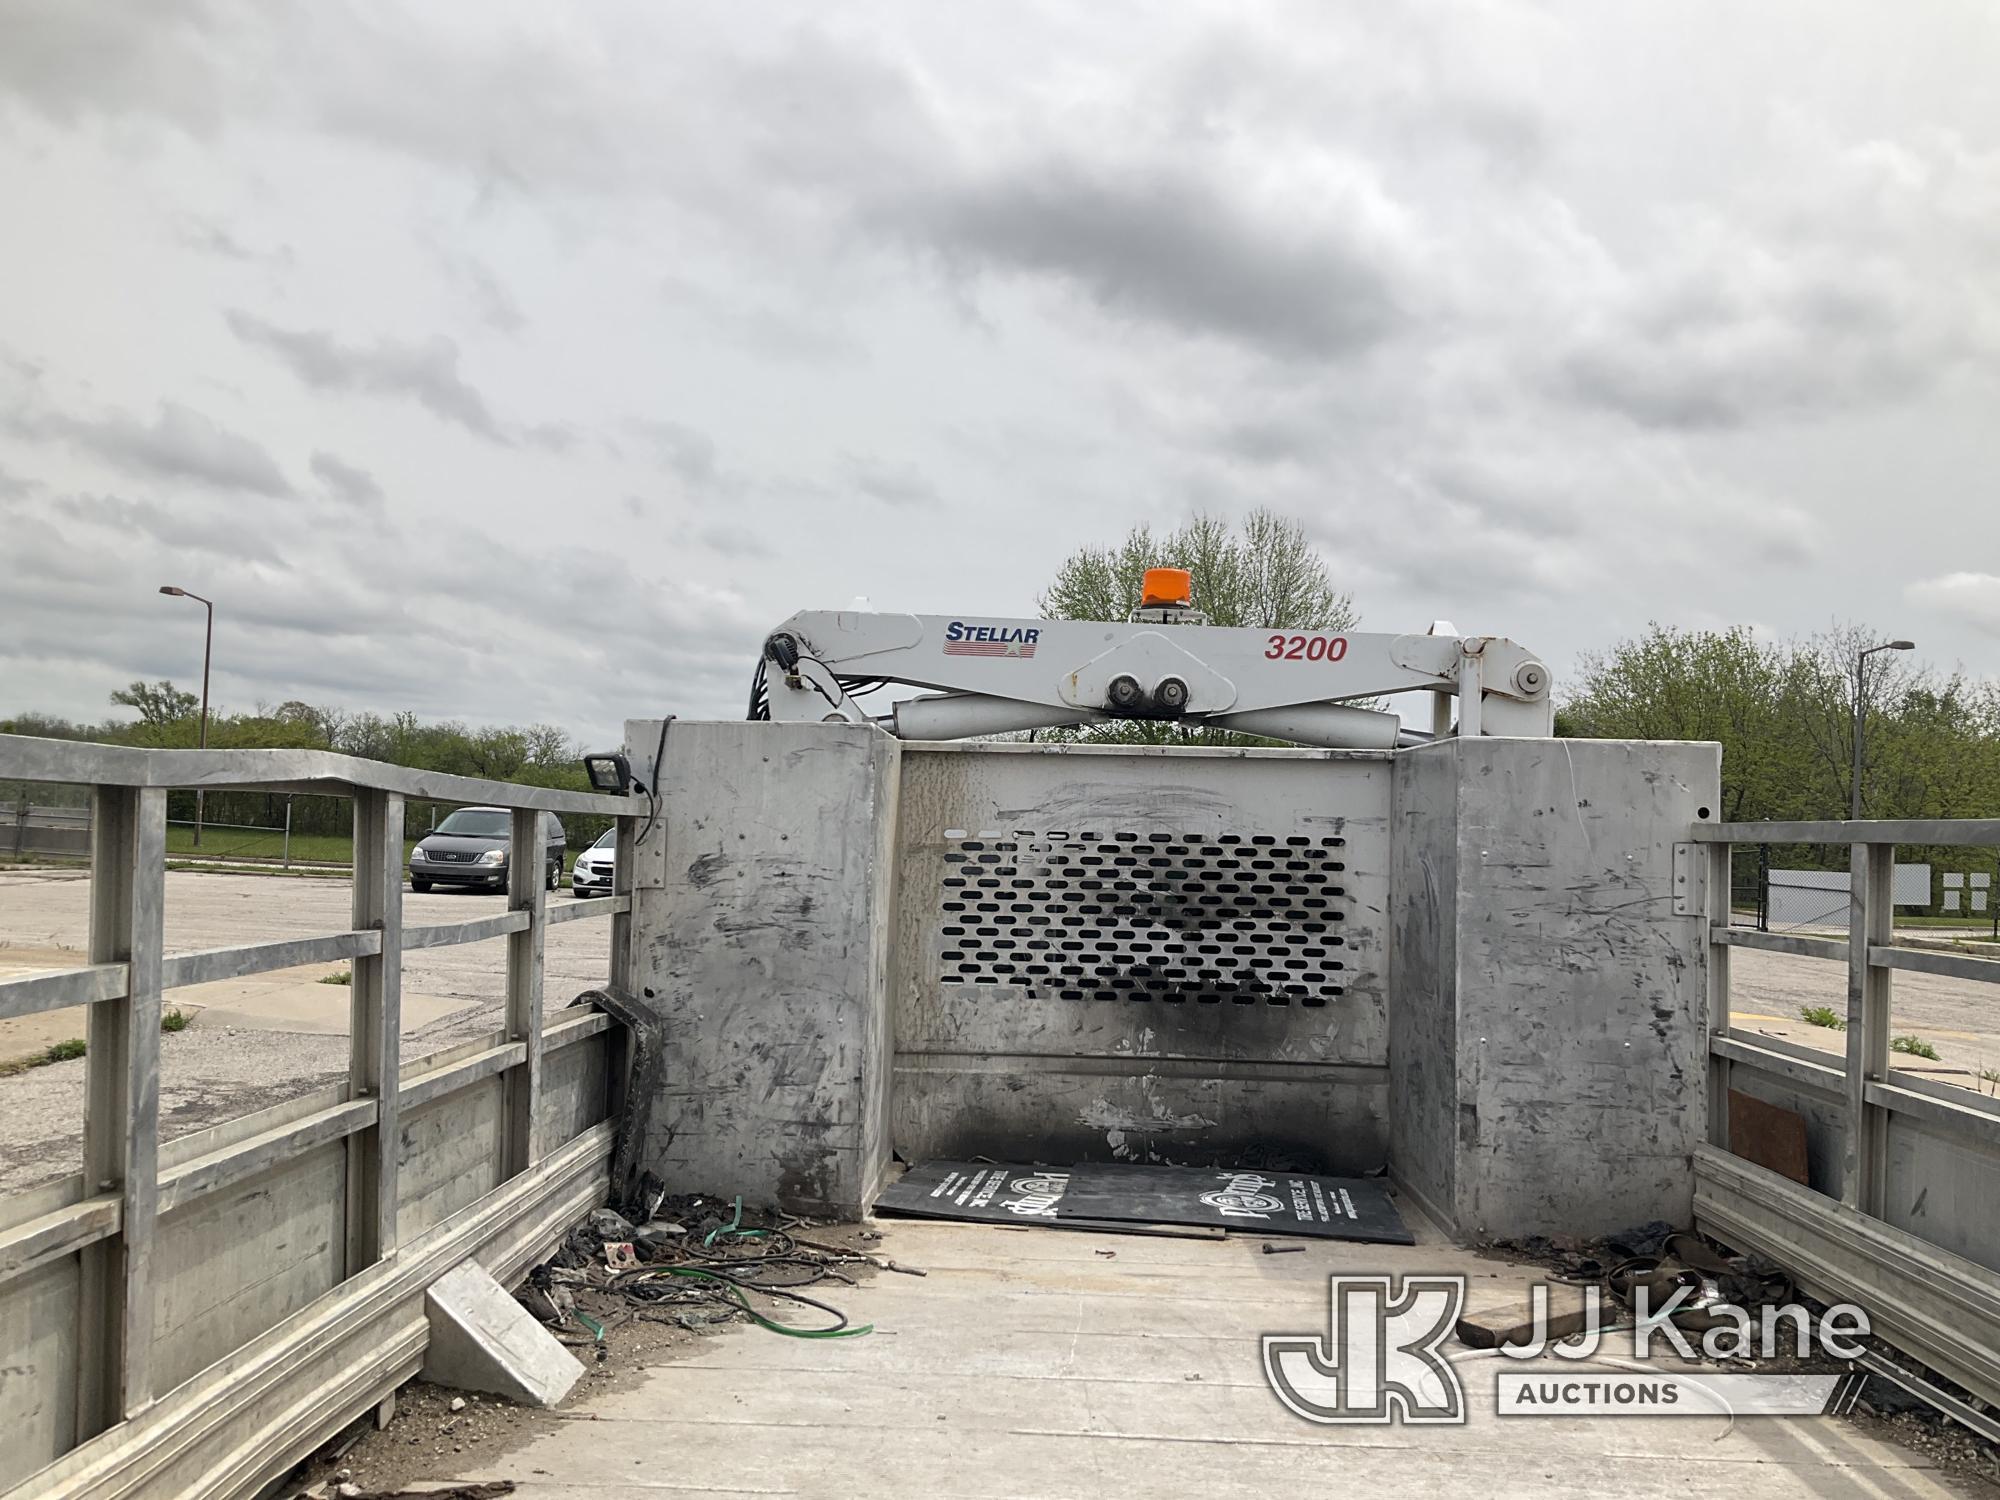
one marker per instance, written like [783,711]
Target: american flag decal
[989,648]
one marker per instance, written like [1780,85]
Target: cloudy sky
[528,362]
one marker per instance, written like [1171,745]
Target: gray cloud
[894,484]
[66,61]
[1864,282]
[16,486]
[1163,242]
[733,541]
[1550,319]
[346,482]
[210,238]
[1973,598]
[688,453]
[489,295]
[221,537]
[178,444]
[426,373]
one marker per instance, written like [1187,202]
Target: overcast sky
[528,363]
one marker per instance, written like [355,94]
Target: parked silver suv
[470,847]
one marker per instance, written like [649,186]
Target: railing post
[121,1113]
[526,891]
[1718,912]
[624,856]
[1870,921]
[375,1028]
[620,1058]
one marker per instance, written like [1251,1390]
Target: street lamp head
[168,588]
[1902,645]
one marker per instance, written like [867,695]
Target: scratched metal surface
[1144,957]
[760,930]
[1578,994]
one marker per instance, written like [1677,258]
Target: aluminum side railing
[107,1402]
[1901,1212]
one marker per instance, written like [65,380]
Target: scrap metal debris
[1655,1259]
[489,1489]
[692,1261]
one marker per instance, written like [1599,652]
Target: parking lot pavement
[1959,1018]
[270,1041]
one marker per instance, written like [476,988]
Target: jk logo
[1379,1361]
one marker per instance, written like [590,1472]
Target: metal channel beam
[67,987]
[375,1028]
[122,1105]
[1870,917]
[210,964]
[1780,942]
[1925,961]
[1940,1307]
[478,930]
[526,898]
[26,758]
[580,910]
[1812,1075]
[455,1076]
[247,1420]
[1959,831]
[62,1231]
[181,1185]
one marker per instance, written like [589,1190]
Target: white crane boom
[996,675]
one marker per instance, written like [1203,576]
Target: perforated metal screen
[1176,918]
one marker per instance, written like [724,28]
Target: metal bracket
[1690,880]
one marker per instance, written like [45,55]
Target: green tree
[1724,685]
[1262,573]
[1784,715]
[158,703]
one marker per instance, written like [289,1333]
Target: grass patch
[175,1020]
[60,1052]
[1914,1046]
[262,843]
[339,976]
[1991,1078]
[1823,1015]
[270,872]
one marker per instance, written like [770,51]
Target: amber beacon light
[1167,588]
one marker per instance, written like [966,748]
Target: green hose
[731,1227]
[736,1291]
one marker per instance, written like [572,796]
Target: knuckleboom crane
[993,676]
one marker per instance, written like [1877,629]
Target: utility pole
[1861,715]
[207,650]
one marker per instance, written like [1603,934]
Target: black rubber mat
[1258,1202]
[983,1191]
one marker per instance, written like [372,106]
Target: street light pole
[1861,715]
[207,651]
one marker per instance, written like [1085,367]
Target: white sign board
[1818,898]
